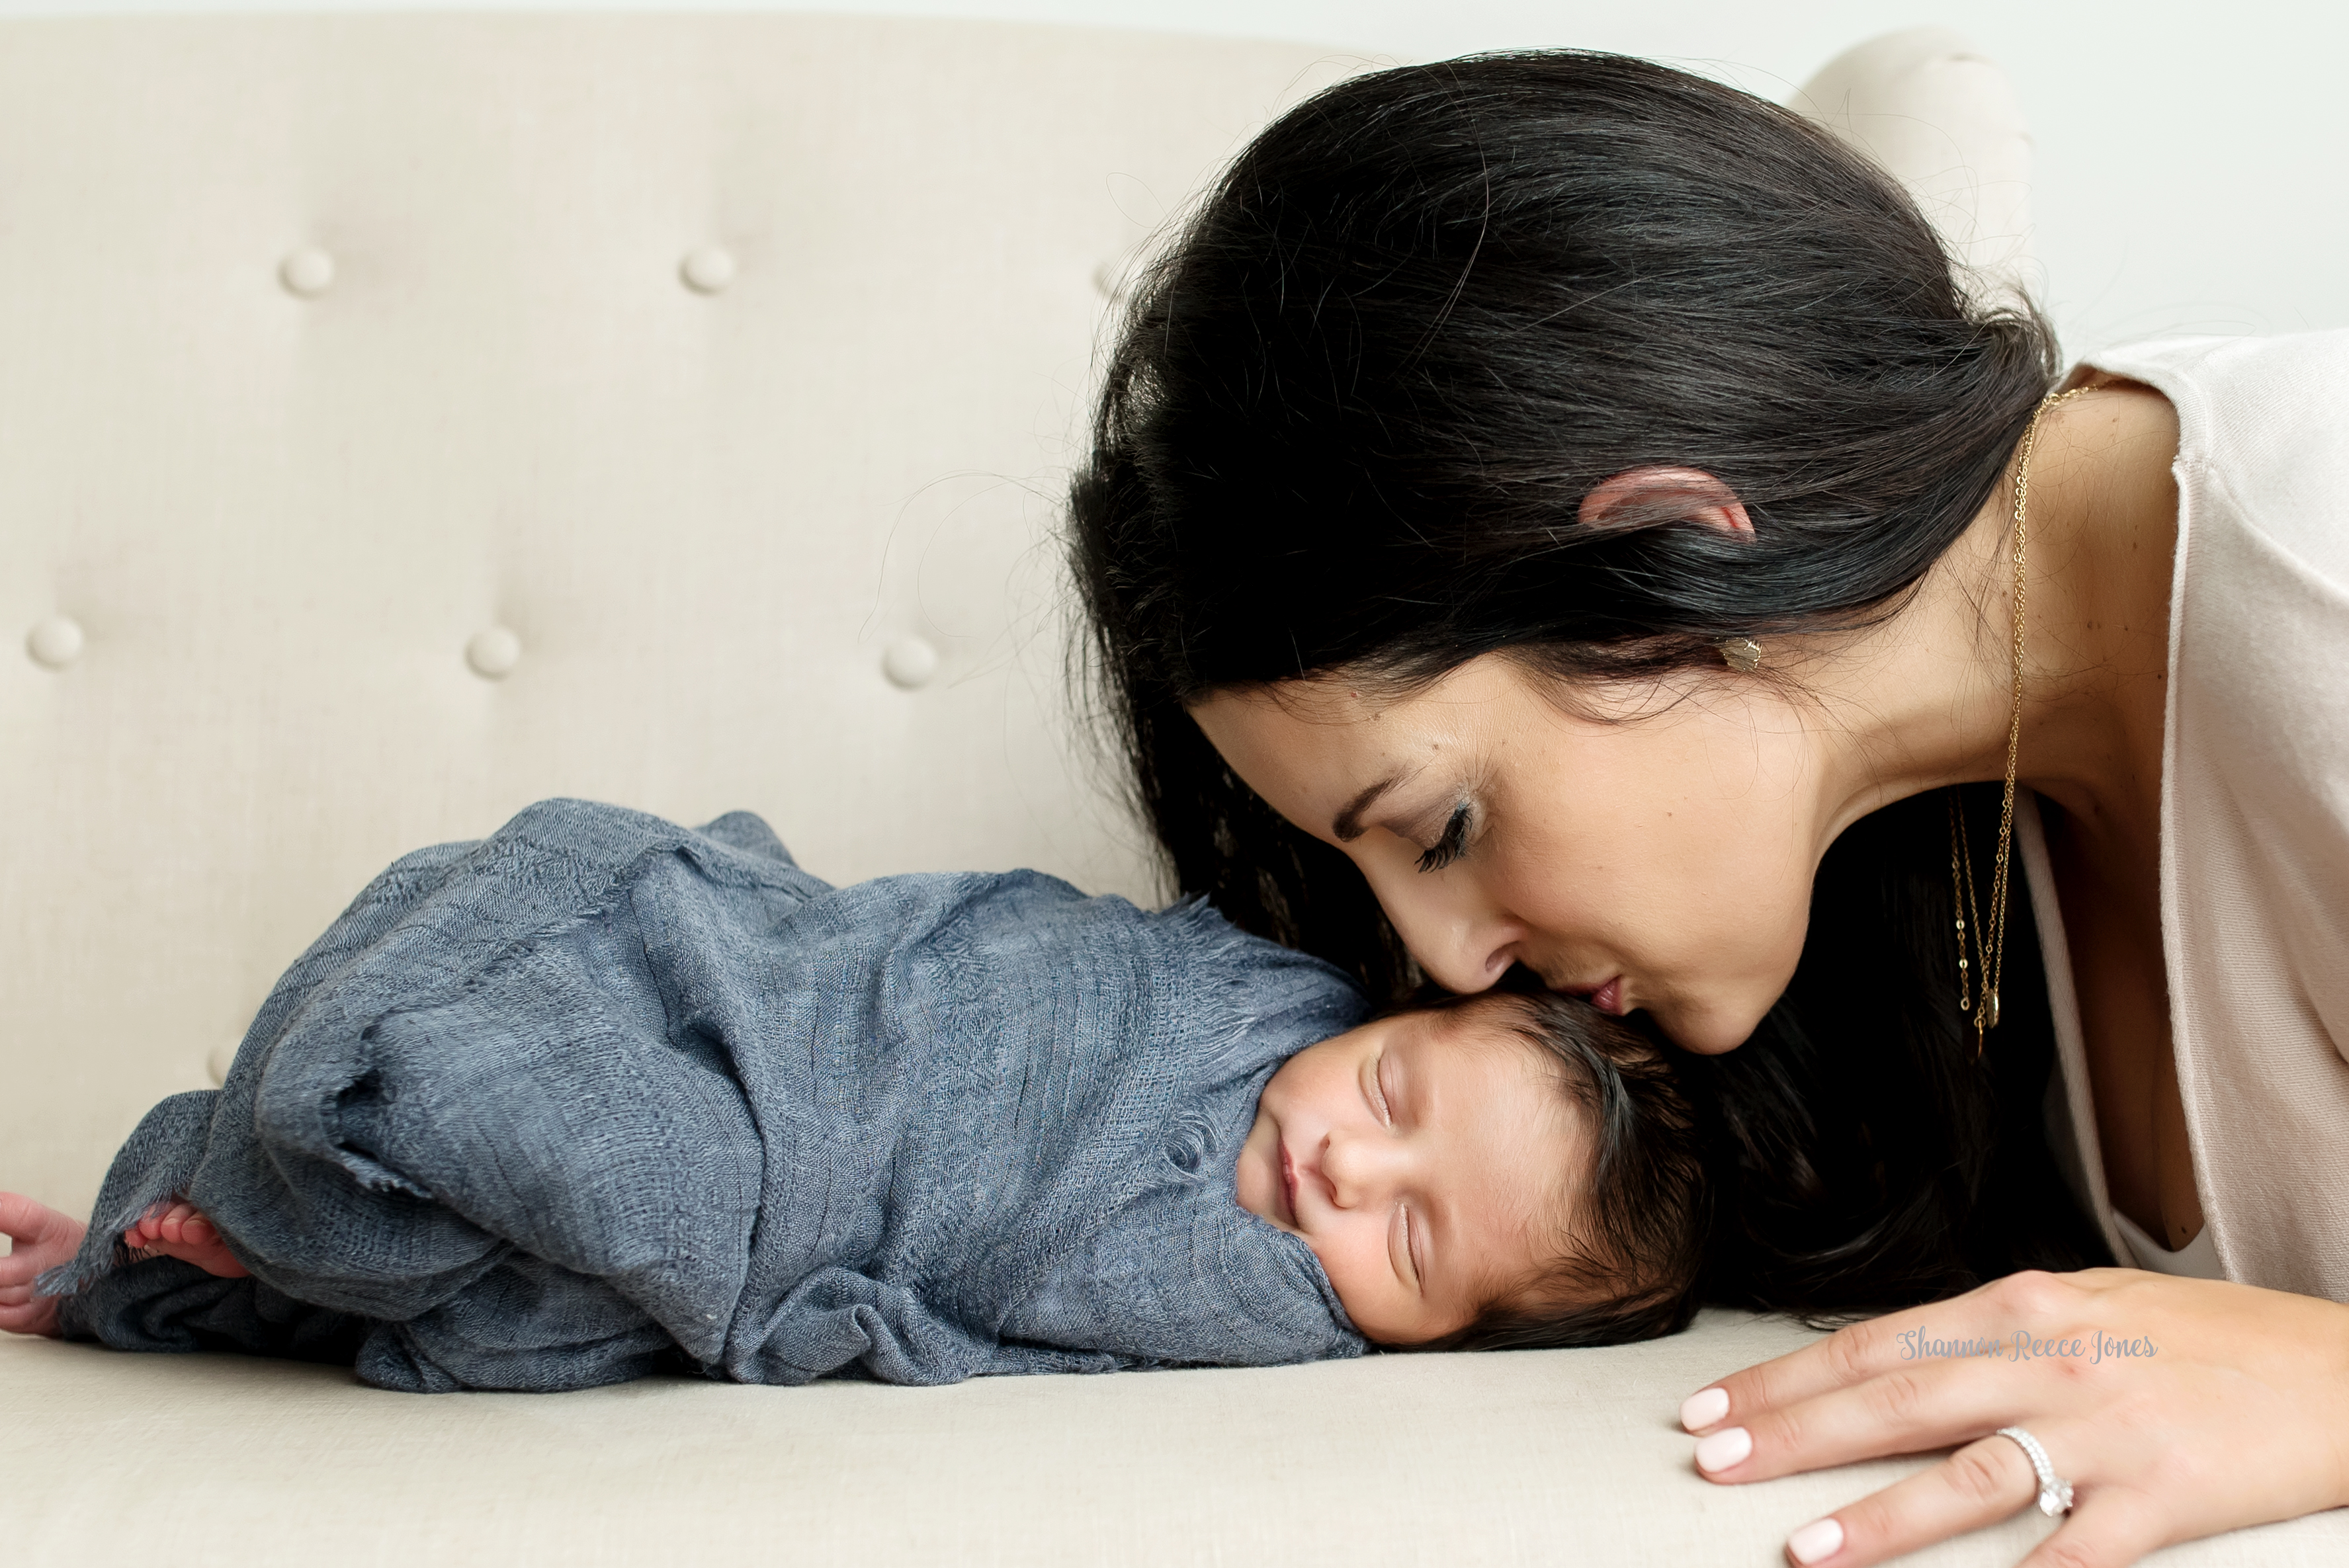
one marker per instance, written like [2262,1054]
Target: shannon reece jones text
[2093,1347]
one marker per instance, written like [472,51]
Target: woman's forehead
[1333,747]
[1336,711]
[1313,764]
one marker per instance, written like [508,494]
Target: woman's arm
[2175,1408]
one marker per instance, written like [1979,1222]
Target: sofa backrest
[405,418]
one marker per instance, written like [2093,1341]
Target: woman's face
[1657,856]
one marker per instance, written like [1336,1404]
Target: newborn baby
[600,1095]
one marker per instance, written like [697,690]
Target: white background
[2193,158]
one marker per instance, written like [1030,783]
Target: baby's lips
[1288,1183]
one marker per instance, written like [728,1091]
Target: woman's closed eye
[1451,845]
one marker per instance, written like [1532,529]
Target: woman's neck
[1923,699]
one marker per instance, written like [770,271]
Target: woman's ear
[1656,493]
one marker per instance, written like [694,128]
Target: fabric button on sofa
[404,418]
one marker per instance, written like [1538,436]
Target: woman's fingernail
[1723,1449]
[1815,1542]
[1701,1410]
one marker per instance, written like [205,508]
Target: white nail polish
[1723,1449]
[1815,1542]
[1701,1410]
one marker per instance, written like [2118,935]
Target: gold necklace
[1990,941]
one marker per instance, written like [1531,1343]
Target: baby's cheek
[1356,1287]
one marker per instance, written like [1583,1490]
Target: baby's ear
[1658,493]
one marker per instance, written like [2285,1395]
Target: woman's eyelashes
[1450,845]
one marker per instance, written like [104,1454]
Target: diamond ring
[2055,1491]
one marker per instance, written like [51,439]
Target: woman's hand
[40,1239]
[2175,1408]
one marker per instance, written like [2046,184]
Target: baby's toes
[161,1222]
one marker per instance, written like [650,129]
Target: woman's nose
[1463,968]
[1462,949]
[1363,1168]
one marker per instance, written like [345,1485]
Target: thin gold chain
[1961,895]
[1990,942]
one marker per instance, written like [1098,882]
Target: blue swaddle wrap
[599,1095]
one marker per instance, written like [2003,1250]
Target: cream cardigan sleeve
[2255,808]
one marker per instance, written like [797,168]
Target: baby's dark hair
[1629,1263]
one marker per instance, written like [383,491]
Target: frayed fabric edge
[156,1165]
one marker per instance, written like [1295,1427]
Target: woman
[1579,496]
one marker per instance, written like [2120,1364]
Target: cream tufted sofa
[403,420]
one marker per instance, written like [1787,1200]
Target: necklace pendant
[1990,1010]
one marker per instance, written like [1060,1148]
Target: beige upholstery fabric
[1541,1459]
[280,514]
[401,419]
[1929,107]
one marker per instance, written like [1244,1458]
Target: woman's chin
[1712,1030]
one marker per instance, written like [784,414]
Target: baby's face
[1421,1157]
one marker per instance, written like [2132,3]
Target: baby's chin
[1259,1170]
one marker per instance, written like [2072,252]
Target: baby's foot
[41,1239]
[177,1230]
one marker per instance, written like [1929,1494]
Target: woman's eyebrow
[1347,825]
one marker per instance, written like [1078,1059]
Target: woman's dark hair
[1355,407]
[1349,424]
[1866,1153]
[1630,1265]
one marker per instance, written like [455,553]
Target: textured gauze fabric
[600,1095]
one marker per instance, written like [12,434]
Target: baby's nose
[1363,1170]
